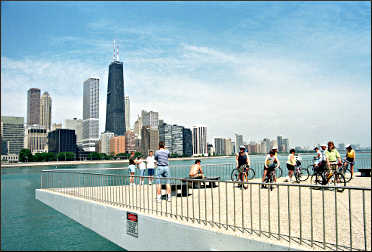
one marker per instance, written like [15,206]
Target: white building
[150,119]
[90,114]
[105,142]
[36,137]
[127,112]
[46,111]
[77,125]
[199,141]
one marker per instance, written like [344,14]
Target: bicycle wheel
[347,174]
[278,172]
[339,180]
[251,173]
[235,175]
[302,175]
[316,179]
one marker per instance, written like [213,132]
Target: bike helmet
[348,146]
[242,147]
[323,144]
[275,147]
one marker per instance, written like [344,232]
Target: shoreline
[58,163]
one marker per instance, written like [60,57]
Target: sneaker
[262,186]
[150,183]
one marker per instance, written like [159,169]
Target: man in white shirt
[150,160]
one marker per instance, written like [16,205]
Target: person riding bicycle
[332,155]
[271,163]
[350,157]
[242,158]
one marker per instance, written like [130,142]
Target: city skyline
[169,73]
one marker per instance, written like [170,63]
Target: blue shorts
[162,172]
[142,172]
[150,171]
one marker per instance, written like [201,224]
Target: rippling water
[28,224]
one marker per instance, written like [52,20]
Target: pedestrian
[142,168]
[161,156]
[150,161]
[132,170]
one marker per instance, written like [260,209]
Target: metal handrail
[227,207]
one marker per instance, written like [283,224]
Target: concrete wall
[153,233]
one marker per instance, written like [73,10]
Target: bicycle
[345,170]
[278,172]
[243,173]
[317,176]
[334,176]
[269,178]
[301,174]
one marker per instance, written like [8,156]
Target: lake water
[28,224]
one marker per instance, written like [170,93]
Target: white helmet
[275,147]
[348,146]
[323,144]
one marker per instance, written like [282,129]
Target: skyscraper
[127,112]
[187,142]
[238,141]
[33,106]
[62,140]
[220,146]
[280,143]
[90,114]
[46,111]
[115,121]
[199,140]
[105,142]
[150,119]
[77,125]
[149,139]
[12,132]
[35,138]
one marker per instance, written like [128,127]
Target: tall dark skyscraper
[33,106]
[115,121]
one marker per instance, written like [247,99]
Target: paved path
[259,213]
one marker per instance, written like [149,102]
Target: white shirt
[142,165]
[150,162]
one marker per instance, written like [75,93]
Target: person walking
[150,161]
[161,156]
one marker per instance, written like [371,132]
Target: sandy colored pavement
[262,214]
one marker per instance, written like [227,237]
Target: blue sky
[261,69]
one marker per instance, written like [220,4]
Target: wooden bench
[365,172]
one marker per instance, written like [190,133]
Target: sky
[261,69]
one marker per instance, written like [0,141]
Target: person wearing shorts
[271,162]
[161,157]
[291,164]
[150,160]
[132,170]
[142,167]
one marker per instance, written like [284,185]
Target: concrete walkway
[303,214]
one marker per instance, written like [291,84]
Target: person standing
[291,163]
[142,168]
[150,161]
[271,163]
[332,155]
[161,156]
[350,157]
[132,170]
[242,160]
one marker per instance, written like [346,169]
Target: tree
[93,156]
[25,155]
[38,157]
[50,156]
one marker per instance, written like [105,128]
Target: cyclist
[291,164]
[242,158]
[322,158]
[275,150]
[350,156]
[271,163]
[332,155]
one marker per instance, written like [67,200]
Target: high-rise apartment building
[127,112]
[115,121]
[36,138]
[130,141]
[177,140]
[280,143]
[117,144]
[149,140]
[90,114]
[165,135]
[33,106]
[199,141]
[228,146]
[46,111]
[286,145]
[273,143]
[238,142]
[266,145]
[62,140]
[77,125]
[187,142]
[12,133]
[137,127]
[105,142]
[150,119]
[220,146]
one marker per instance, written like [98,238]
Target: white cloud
[255,96]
